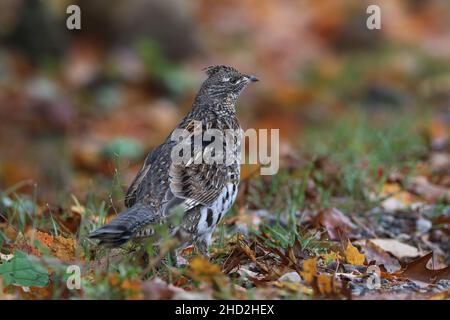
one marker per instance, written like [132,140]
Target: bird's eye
[234,80]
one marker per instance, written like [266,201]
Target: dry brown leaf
[381,257]
[71,223]
[246,249]
[353,256]
[36,293]
[9,231]
[157,289]
[417,271]
[333,220]
[443,222]
[429,191]
[396,248]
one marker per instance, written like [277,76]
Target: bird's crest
[212,70]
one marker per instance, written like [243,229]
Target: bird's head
[225,82]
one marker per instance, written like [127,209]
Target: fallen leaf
[442,222]
[353,256]
[333,220]
[60,247]
[203,269]
[439,132]
[8,231]
[396,199]
[417,271]
[441,295]
[294,287]
[440,161]
[389,189]
[187,251]
[309,270]
[325,284]
[381,257]
[157,289]
[132,287]
[19,270]
[429,191]
[330,256]
[396,248]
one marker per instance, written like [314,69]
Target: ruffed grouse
[204,190]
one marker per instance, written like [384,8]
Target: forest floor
[362,214]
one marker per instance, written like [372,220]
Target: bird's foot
[203,248]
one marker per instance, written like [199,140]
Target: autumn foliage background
[363,117]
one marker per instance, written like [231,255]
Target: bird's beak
[252,78]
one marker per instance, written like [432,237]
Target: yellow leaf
[201,267]
[331,256]
[309,270]
[294,287]
[353,256]
[390,188]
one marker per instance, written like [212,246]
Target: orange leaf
[324,283]
[309,270]
[60,247]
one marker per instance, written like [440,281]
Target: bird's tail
[124,226]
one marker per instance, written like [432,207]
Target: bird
[203,191]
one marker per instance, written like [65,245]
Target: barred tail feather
[124,226]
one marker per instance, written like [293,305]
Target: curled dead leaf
[375,254]
[333,220]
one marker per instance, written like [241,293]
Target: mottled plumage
[204,191]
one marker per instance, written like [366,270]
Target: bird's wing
[172,183]
[197,183]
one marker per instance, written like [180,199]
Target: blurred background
[79,109]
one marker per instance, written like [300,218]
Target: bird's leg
[203,244]
[177,259]
[108,251]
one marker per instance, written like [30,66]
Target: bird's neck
[220,103]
